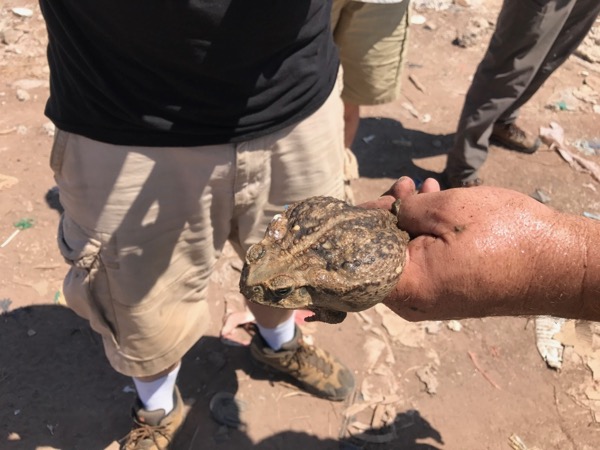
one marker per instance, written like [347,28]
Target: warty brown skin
[327,256]
[486,251]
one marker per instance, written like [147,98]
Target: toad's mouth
[326,315]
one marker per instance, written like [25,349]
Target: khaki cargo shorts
[372,39]
[143,227]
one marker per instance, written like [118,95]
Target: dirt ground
[474,384]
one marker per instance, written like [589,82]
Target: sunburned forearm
[566,280]
[591,280]
[492,252]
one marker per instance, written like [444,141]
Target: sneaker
[153,430]
[315,370]
[515,138]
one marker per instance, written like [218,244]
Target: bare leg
[269,317]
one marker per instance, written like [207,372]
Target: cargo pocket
[57,154]
[86,287]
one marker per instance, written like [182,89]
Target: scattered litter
[436,5]
[129,389]
[426,118]
[373,349]
[51,428]
[21,225]
[22,12]
[541,196]
[411,109]
[5,304]
[368,139]
[58,298]
[416,82]
[516,443]
[226,410]
[485,375]
[410,334]
[417,19]
[31,332]
[553,136]
[427,376]
[6,181]
[588,147]
[16,412]
[550,349]
[580,164]
[454,325]
[590,215]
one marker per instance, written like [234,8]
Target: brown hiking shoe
[153,430]
[515,138]
[315,370]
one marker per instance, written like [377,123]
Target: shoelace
[145,431]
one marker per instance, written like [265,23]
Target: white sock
[157,394]
[282,333]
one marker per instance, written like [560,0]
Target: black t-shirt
[186,72]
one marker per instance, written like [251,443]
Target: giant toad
[324,255]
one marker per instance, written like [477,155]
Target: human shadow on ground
[385,149]
[57,390]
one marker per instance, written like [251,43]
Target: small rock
[417,19]
[49,129]
[541,196]
[23,95]
[454,325]
[31,332]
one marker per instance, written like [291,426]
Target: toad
[326,256]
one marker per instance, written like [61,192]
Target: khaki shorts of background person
[372,37]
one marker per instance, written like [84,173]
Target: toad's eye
[282,293]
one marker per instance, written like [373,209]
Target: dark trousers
[532,39]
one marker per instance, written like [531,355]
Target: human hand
[484,251]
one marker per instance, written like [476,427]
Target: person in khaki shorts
[372,38]
[180,128]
